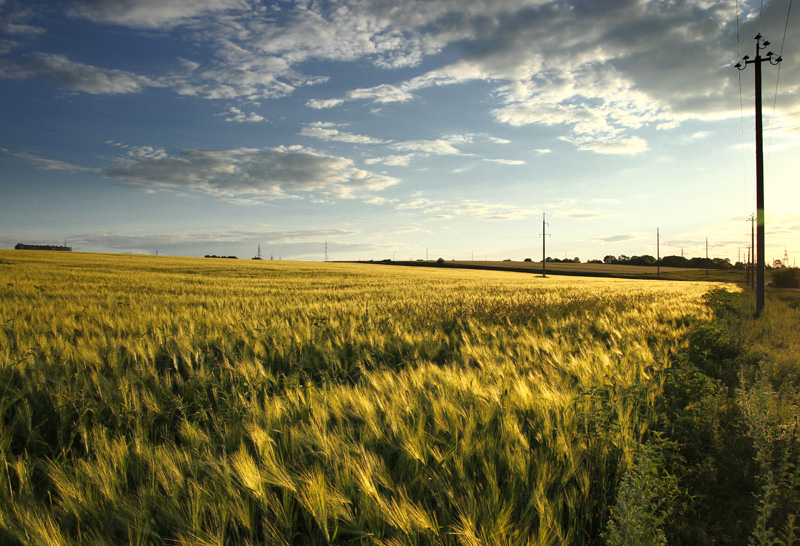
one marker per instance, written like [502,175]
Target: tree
[610,259]
[674,261]
[721,263]
[642,260]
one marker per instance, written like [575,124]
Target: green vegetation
[788,277]
[730,414]
[153,400]
[593,268]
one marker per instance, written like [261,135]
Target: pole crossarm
[770,58]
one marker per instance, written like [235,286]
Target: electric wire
[777,83]
[741,112]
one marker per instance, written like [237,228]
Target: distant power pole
[706,257]
[751,280]
[749,251]
[426,253]
[658,252]
[760,250]
[544,251]
[326,251]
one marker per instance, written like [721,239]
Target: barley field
[156,400]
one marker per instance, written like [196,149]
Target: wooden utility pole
[544,238]
[751,280]
[658,252]
[760,249]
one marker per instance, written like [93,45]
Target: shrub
[786,277]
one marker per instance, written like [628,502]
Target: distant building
[22,246]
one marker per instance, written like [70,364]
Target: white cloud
[200,240]
[473,209]
[238,116]
[150,13]
[243,172]
[320,104]
[47,163]
[437,147]
[612,146]
[600,73]
[391,160]
[329,131]
[19,29]
[58,69]
[506,161]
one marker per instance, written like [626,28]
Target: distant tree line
[23,246]
[215,256]
[674,261]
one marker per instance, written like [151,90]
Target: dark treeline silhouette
[674,261]
[215,256]
[23,246]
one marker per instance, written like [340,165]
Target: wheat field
[156,400]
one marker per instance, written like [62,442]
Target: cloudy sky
[392,128]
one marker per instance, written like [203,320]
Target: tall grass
[152,400]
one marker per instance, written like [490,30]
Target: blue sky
[388,129]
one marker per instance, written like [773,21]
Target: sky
[396,129]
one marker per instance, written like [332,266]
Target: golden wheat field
[156,400]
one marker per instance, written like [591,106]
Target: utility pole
[544,252]
[760,250]
[658,252]
[747,267]
[326,251]
[751,278]
[706,257]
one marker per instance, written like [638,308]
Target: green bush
[786,277]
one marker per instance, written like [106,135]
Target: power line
[777,81]
[741,111]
